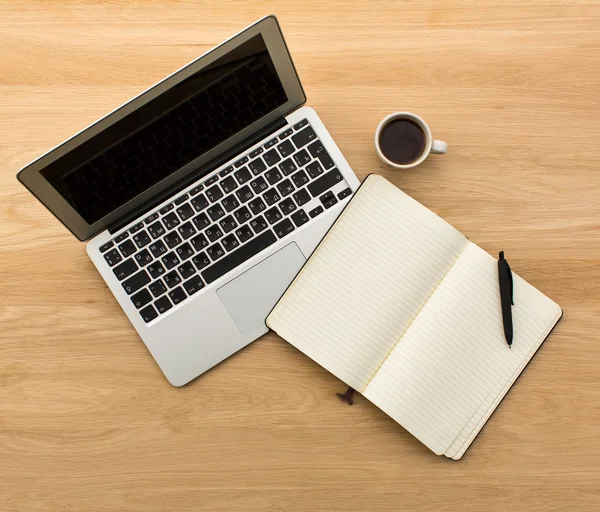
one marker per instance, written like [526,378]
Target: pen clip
[510,282]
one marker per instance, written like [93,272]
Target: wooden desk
[87,422]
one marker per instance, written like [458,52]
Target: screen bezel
[30,176]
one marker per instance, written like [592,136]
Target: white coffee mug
[431,145]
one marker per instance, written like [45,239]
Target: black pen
[505,281]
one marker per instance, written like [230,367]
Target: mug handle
[439,147]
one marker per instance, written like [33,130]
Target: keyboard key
[243,175]
[148,314]
[121,237]
[244,233]
[193,285]
[303,137]
[273,175]
[196,190]
[230,203]
[286,148]
[258,224]
[244,194]
[141,239]
[201,261]
[317,150]
[216,211]
[213,233]
[287,206]
[215,251]
[314,169]
[226,171]
[300,179]
[241,162]
[143,258]
[157,288]
[211,180]
[315,211]
[285,134]
[283,228]
[106,246]
[177,295]
[180,199]
[255,153]
[171,221]
[287,166]
[299,218]
[273,215]
[302,123]
[285,188]
[259,185]
[257,166]
[186,270]
[271,157]
[141,298]
[257,205]
[301,197]
[242,215]
[158,248]
[344,193]
[228,184]
[199,242]
[112,257]
[155,269]
[135,282]
[201,221]
[127,248]
[125,269]
[163,305]
[230,242]
[172,239]
[214,193]
[301,158]
[328,199]
[328,180]
[186,230]
[165,209]
[271,143]
[200,202]
[156,230]
[185,251]
[136,228]
[170,260]
[228,224]
[172,279]
[237,257]
[271,196]
[185,211]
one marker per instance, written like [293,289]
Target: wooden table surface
[88,423]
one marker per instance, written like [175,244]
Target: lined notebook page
[367,281]
[452,366]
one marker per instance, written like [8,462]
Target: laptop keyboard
[224,221]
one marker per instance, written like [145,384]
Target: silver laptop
[203,197]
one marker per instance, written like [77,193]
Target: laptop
[201,198]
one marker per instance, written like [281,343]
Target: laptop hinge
[203,170]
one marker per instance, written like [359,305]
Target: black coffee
[402,141]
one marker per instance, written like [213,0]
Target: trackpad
[250,297]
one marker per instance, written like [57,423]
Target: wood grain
[87,422]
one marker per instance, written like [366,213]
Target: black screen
[168,132]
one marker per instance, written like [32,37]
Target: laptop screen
[168,132]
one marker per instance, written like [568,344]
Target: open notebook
[404,309]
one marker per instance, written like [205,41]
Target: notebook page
[454,355]
[366,282]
